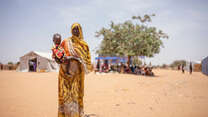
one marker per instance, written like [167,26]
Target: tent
[205,65]
[37,62]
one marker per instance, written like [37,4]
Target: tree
[164,66]
[137,61]
[131,39]
[10,63]
[176,63]
[18,63]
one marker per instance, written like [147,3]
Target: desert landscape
[169,94]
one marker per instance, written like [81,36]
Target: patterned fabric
[71,92]
[58,53]
[71,89]
[81,47]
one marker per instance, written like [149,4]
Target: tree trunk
[128,62]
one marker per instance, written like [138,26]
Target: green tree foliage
[137,61]
[177,63]
[10,63]
[17,63]
[131,38]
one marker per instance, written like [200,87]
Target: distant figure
[190,68]
[118,68]
[1,66]
[122,68]
[179,67]
[98,65]
[143,70]
[34,67]
[182,68]
[131,68]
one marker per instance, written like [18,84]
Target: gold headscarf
[81,47]
[80,30]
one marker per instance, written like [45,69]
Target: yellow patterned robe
[71,89]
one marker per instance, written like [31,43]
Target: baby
[59,54]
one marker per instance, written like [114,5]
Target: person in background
[34,67]
[1,66]
[179,67]
[190,68]
[98,66]
[182,68]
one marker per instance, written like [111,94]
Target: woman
[71,88]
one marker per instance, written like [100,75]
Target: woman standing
[71,88]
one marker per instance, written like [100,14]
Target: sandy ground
[169,94]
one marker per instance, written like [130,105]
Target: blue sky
[28,25]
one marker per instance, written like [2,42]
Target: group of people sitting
[144,70]
[122,68]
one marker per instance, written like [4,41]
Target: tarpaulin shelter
[120,59]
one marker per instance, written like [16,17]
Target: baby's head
[57,39]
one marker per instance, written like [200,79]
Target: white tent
[37,62]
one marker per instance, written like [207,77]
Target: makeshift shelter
[37,62]
[205,65]
[196,66]
[113,59]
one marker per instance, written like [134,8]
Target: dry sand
[169,94]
